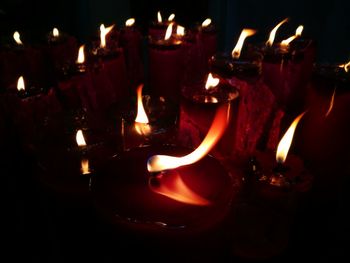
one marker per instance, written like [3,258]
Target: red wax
[123,194]
[166,69]
[131,40]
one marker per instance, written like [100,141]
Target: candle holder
[127,195]
[162,127]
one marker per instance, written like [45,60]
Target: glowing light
[55,32]
[103,33]
[272,35]
[169,31]
[17,38]
[141,121]
[20,84]
[171,17]
[236,52]
[81,55]
[331,104]
[211,82]
[80,138]
[130,22]
[180,30]
[206,22]
[159,17]
[299,30]
[85,169]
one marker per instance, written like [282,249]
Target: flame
[159,17]
[269,42]
[210,99]
[17,38]
[20,84]
[170,184]
[55,32]
[81,56]
[103,33]
[168,32]
[211,82]
[236,52]
[206,22]
[85,166]
[286,141]
[331,104]
[345,66]
[130,22]
[80,138]
[180,30]
[141,121]
[159,163]
[171,17]
[299,30]
[285,43]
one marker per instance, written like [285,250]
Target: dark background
[324,21]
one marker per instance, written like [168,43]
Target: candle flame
[103,33]
[206,22]
[141,121]
[286,141]
[211,82]
[80,138]
[169,31]
[180,30]
[55,32]
[159,17]
[331,104]
[171,17]
[81,55]
[130,22]
[171,185]
[20,84]
[85,169]
[345,66]
[17,38]
[299,30]
[269,42]
[236,52]
[158,163]
[285,43]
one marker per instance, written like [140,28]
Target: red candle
[166,63]
[158,28]
[131,40]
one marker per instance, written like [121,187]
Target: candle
[155,122]
[158,28]
[177,201]
[166,65]
[130,40]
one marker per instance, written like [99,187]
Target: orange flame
[103,33]
[345,66]
[55,32]
[331,104]
[159,17]
[85,166]
[211,82]
[236,52]
[171,17]
[80,138]
[20,83]
[299,30]
[180,30]
[170,184]
[130,22]
[285,43]
[169,31]
[206,22]
[159,163]
[17,38]
[269,42]
[286,141]
[81,56]
[141,121]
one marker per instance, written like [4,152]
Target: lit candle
[158,28]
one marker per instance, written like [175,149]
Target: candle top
[161,43]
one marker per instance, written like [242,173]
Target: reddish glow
[236,52]
[286,141]
[141,121]
[17,38]
[299,30]
[55,32]
[130,22]
[81,56]
[103,33]
[169,31]
[80,138]
[159,17]
[85,166]
[211,82]
[159,163]
[171,185]
[206,22]
[171,17]
[331,104]
[20,83]
[272,35]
